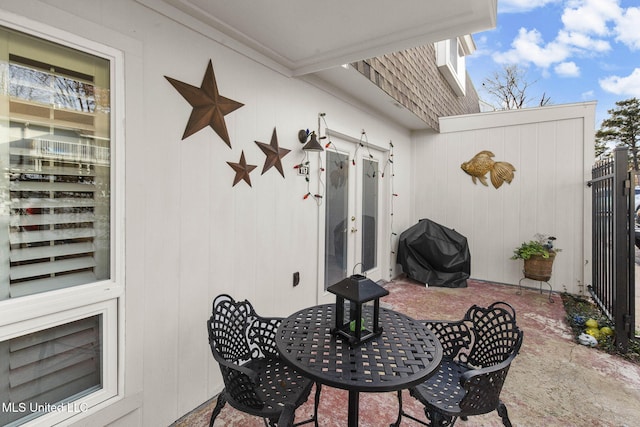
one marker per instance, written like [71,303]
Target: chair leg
[397,423]
[286,418]
[316,402]
[502,411]
[401,414]
[439,420]
[219,405]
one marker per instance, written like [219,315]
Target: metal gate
[613,249]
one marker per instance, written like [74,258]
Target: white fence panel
[549,147]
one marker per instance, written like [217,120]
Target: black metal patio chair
[477,353]
[256,380]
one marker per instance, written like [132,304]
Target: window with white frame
[450,59]
[55,228]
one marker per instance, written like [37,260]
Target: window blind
[47,367]
[58,181]
[53,224]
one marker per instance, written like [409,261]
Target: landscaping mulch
[580,309]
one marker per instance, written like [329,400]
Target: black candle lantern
[358,290]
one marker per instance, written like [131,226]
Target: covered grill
[436,255]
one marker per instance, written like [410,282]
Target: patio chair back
[495,333]
[229,328]
[256,379]
[478,351]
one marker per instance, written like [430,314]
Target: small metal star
[209,107]
[274,154]
[242,170]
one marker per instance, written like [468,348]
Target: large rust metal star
[274,154]
[209,107]
[242,170]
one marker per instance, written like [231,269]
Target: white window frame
[109,355]
[450,59]
[28,314]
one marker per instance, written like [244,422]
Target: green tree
[622,128]
[510,88]
[602,150]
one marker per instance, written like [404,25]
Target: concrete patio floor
[553,382]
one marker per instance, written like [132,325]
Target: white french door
[354,229]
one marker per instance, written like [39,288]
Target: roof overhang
[352,87]
[299,37]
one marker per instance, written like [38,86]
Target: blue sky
[574,50]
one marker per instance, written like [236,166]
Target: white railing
[70,151]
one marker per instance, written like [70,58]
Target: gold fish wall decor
[482,163]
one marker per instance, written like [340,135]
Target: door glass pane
[55,147]
[337,197]
[369,221]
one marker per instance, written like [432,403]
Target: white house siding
[189,234]
[552,151]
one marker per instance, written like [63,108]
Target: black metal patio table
[404,355]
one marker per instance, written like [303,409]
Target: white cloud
[590,16]
[567,69]
[587,95]
[627,28]
[517,6]
[583,41]
[481,47]
[528,47]
[588,27]
[627,86]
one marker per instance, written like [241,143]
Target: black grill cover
[436,255]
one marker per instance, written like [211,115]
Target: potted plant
[538,256]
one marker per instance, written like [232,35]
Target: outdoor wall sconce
[313,144]
[357,290]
